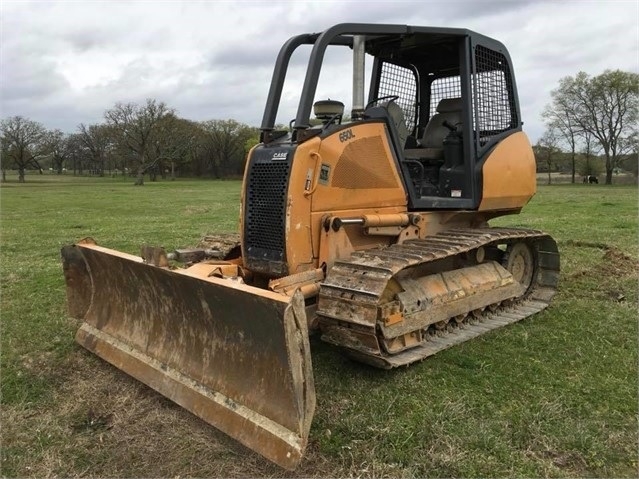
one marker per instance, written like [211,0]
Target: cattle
[590,179]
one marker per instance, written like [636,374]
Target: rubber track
[362,279]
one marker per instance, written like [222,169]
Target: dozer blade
[234,355]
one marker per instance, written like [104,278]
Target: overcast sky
[64,63]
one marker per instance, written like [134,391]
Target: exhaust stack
[359,65]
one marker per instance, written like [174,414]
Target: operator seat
[393,113]
[432,141]
[396,115]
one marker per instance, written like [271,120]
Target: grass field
[554,395]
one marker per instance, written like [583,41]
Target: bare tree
[134,125]
[560,117]
[77,154]
[606,106]
[97,140]
[58,147]
[546,150]
[23,144]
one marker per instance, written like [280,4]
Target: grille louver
[265,211]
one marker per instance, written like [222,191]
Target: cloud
[62,63]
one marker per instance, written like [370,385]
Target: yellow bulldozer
[371,229]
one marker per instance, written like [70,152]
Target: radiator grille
[266,205]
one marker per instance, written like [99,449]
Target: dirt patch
[611,274]
[587,244]
[219,240]
[618,263]
[196,210]
[614,263]
[566,461]
[226,245]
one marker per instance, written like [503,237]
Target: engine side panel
[509,175]
[357,170]
[350,172]
[299,229]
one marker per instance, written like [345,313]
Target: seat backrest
[448,109]
[394,114]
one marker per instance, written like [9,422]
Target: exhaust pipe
[359,65]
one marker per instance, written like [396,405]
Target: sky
[65,63]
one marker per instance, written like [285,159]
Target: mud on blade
[234,355]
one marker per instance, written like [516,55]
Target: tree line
[135,139]
[590,117]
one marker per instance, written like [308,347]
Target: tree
[225,146]
[23,144]
[607,107]
[58,147]
[546,150]
[78,156]
[134,126]
[590,166]
[252,141]
[171,144]
[97,140]
[631,163]
[560,117]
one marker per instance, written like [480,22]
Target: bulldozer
[370,230]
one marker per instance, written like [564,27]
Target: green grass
[554,395]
